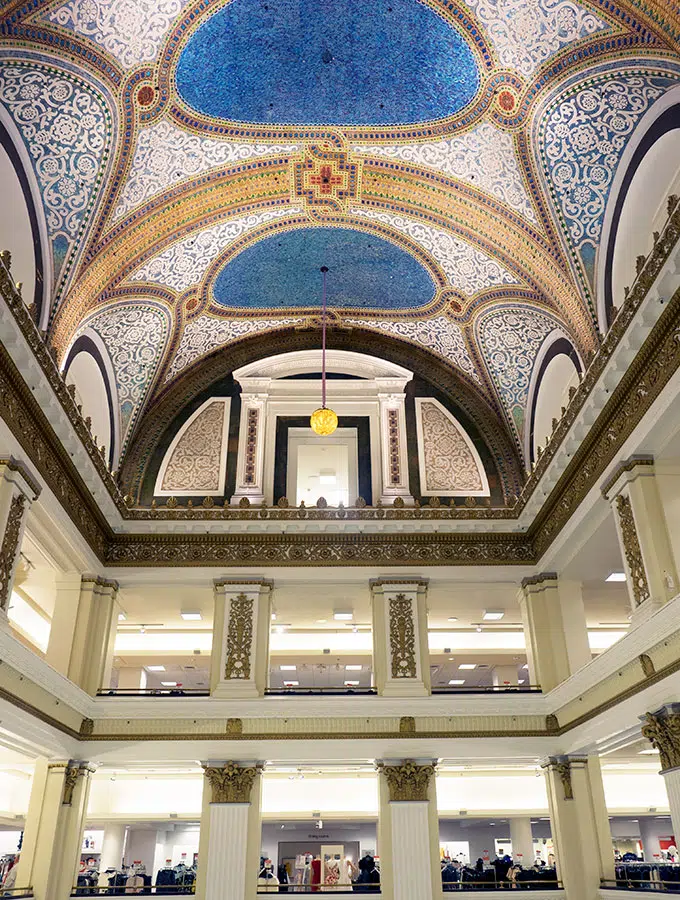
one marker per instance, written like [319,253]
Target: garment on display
[8,870]
[648,876]
[508,875]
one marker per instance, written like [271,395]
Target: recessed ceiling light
[342,616]
[169,683]
[453,618]
[155,668]
[351,683]
[191,615]
[467,666]
[616,576]
[457,681]
[288,668]
[493,615]
[451,658]
[273,617]
[291,683]
[121,617]
[353,668]
[321,621]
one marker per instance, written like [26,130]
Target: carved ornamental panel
[402,637]
[631,549]
[239,638]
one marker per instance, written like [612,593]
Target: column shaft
[649,834]
[64,616]
[400,649]
[522,840]
[112,847]
[241,624]
[94,635]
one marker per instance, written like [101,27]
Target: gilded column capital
[538,582]
[73,770]
[407,781]
[231,783]
[662,729]
[562,767]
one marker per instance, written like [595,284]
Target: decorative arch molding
[449,463]
[556,343]
[90,342]
[164,409]
[662,117]
[15,148]
[341,362]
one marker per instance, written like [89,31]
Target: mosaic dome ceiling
[196,161]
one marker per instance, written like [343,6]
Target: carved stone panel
[407,781]
[402,637]
[10,546]
[239,638]
[231,783]
[631,549]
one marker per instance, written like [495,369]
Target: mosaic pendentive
[135,336]
[448,464]
[196,461]
[165,154]
[510,340]
[468,269]
[282,271]
[67,130]
[291,62]
[184,264]
[132,31]
[484,157]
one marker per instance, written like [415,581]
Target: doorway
[323,466]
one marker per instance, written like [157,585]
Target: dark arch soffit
[560,347]
[84,344]
[163,410]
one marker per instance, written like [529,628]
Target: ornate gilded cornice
[626,465]
[662,729]
[540,578]
[15,466]
[100,581]
[231,783]
[408,781]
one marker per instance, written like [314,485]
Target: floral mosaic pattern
[196,461]
[67,130]
[130,30]
[510,340]
[135,336]
[526,34]
[583,136]
[165,155]
[184,264]
[484,157]
[449,466]
[438,334]
[469,270]
[205,333]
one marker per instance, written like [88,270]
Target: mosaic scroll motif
[239,638]
[632,551]
[10,546]
[196,460]
[402,637]
[449,463]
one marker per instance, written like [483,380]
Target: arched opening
[557,370]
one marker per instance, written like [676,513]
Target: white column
[648,559]
[112,847]
[251,441]
[94,635]
[649,834]
[17,491]
[400,649]
[409,832]
[580,825]
[394,451]
[64,615]
[662,728]
[230,866]
[131,678]
[504,675]
[240,650]
[522,840]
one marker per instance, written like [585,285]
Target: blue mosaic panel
[336,62]
[366,272]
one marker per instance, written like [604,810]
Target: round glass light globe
[323,421]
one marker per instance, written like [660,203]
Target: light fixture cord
[324,272]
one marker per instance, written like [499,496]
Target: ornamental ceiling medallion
[450,163]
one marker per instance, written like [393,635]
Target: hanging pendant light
[323,421]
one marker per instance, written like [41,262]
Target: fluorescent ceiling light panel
[457,681]
[493,615]
[169,683]
[288,668]
[343,616]
[453,618]
[468,666]
[155,668]
[616,576]
[191,615]
[121,617]
[353,668]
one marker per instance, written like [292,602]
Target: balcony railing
[488,689]
[323,691]
[153,692]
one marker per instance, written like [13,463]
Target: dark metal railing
[639,884]
[17,893]
[488,689]
[325,691]
[161,890]
[153,692]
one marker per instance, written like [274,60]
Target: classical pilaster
[251,441]
[17,491]
[84,629]
[580,825]
[555,629]
[230,831]
[662,729]
[648,560]
[241,624]
[55,823]
[408,831]
[394,452]
[400,650]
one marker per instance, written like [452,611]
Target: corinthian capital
[407,781]
[231,783]
[662,729]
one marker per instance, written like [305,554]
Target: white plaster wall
[15,228]
[86,375]
[553,393]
